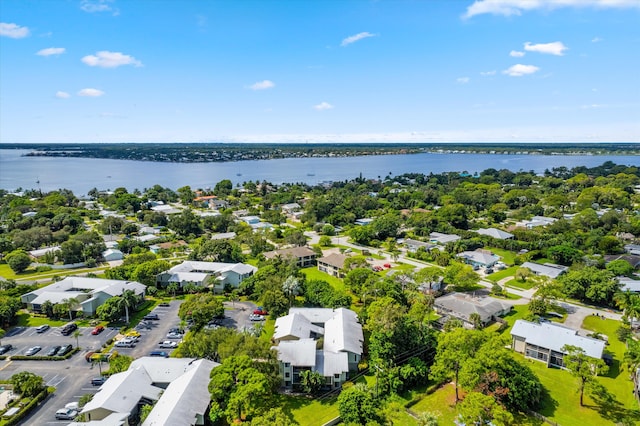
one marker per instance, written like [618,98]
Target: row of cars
[58,350]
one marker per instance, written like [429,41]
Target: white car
[66,414]
[73,406]
[125,343]
[174,335]
[168,344]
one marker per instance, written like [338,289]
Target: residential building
[550,270]
[166,209]
[631,259]
[37,254]
[332,264]
[89,292]
[112,254]
[146,238]
[412,246]
[479,258]
[539,221]
[462,306]
[216,274]
[177,388]
[297,335]
[495,233]
[363,221]
[224,236]
[303,256]
[544,342]
[290,208]
[629,284]
[443,239]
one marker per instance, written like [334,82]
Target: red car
[99,329]
[260,311]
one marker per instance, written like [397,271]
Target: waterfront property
[297,335]
[214,274]
[89,292]
[544,342]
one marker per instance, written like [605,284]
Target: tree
[325,241]
[223,188]
[460,276]
[357,405]
[145,410]
[186,195]
[429,276]
[201,308]
[291,287]
[629,303]
[620,267]
[18,261]
[77,335]
[128,299]
[173,287]
[110,310]
[119,363]
[476,320]
[523,273]
[480,409]
[454,349]
[27,384]
[311,381]
[538,306]
[428,418]
[71,304]
[582,366]
[273,417]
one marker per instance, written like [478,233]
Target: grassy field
[309,412]
[314,274]
[523,285]
[31,274]
[506,256]
[497,276]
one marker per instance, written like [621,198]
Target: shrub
[623,333]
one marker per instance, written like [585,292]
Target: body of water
[82,174]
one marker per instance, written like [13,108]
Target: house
[149,230]
[632,249]
[363,221]
[550,270]
[631,259]
[479,258]
[443,239]
[539,221]
[112,254]
[175,387]
[146,238]
[224,236]
[298,333]
[89,292]
[303,256]
[629,284]
[217,274]
[544,342]
[412,246]
[462,306]
[37,254]
[250,220]
[332,264]
[166,209]
[290,208]
[495,233]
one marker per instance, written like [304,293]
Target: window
[287,364]
[287,375]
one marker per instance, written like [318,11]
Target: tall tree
[357,405]
[128,299]
[582,366]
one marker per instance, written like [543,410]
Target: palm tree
[72,304]
[629,303]
[128,299]
[77,335]
[173,288]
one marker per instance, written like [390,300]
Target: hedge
[40,357]
[25,410]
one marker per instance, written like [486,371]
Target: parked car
[133,334]
[168,344]
[53,351]
[75,405]
[174,335]
[33,350]
[260,311]
[66,414]
[256,317]
[64,350]
[151,317]
[5,348]
[97,330]
[69,328]
[125,343]
[42,328]
[98,381]
[387,265]
[164,305]
[162,354]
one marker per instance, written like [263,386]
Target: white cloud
[356,37]
[92,93]
[596,40]
[593,106]
[556,48]
[96,6]
[519,70]
[106,59]
[62,95]
[323,106]
[487,73]
[13,30]
[262,85]
[463,80]
[51,51]
[516,54]
[516,7]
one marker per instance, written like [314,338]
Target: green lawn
[506,256]
[497,276]
[518,312]
[24,319]
[314,274]
[523,285]
[31,274]
[309,412]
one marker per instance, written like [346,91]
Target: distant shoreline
[225,152]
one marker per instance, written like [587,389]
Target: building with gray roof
[332,264]
[303,256]
[218,274]
[440,238]
[463,305]
[550,270]
[479,258]
[544,342]
[495,233]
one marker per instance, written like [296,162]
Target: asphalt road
[72,377]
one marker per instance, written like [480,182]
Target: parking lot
[72,377]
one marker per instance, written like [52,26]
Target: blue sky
[333,70]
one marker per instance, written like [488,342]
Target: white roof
[315,315]
[113,419]
[295,325]
[196,277]
[122,392]
[550,270]
[443,238]
[146,238]
[43,251]
[553,336]
[223,236]
[184,398]
[330,363]
[164,370]
[78,286]
[480,257]
[463,305]
[209,267]
[495,233]
[299,353]
[629,284]
[343,332]
[111,251]
[55,297]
